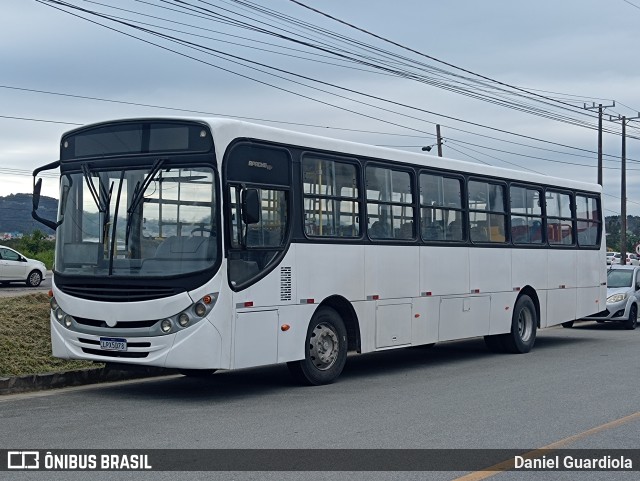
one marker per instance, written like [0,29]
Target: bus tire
[568,324]
[495,343]
[524,323]
[325,352]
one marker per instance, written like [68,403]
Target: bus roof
[226,130]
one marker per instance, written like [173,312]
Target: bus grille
[123,354]
[119,293]
[120,325]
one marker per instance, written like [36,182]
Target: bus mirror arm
[37,187]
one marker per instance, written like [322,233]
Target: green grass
[25,338]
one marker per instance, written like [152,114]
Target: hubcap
[525,324]
[324,346]
[34,278]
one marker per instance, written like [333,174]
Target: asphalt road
[455,395]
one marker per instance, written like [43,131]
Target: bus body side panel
[425,327]
[392,272]
[444,270]
[590,273]
[562,286]
[330,269]
[529,267]
[490,270]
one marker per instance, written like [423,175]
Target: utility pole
[600,108]
[623,187]
[439,140]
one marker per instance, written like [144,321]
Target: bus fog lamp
[200,309]
[183,319]
[165,325]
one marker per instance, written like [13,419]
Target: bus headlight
[68,320]
[183,319]
[165,325]
[59,313]
[200,309]
[187,318]
[53,303]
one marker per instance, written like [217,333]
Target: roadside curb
[54,380]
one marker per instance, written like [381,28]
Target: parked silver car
[14,267]
[623,296]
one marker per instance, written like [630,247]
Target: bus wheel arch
[533,295]
[348,314]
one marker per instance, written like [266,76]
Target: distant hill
[15,213]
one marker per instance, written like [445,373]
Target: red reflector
[375,297]
[248,304]
[307,301]
[562,286]
[475,291]
[516,289]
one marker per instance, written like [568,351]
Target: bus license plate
[113,344]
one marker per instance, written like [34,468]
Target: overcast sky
[581,50]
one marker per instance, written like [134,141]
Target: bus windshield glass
[147,222]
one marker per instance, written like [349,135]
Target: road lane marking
[545,450]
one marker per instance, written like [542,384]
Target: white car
[623,297]
[632,259]
[14,267]
[610,257]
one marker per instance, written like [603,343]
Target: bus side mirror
[37,188]
[250,206]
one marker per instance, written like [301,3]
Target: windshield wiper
[138,194]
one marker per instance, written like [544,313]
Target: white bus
[204,244]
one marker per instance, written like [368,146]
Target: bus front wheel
[325,352]
[524,323]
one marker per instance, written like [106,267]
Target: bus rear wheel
[325,352]
[524,323]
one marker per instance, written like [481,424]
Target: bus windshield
[148,222]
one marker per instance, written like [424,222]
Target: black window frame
[227,185]
[572,218]
[358,199]
[505,213]
[463,210]
[597,221]
[543,230]
[397,167]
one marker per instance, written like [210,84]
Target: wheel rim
[34,278]
[525,324]
[324,346]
